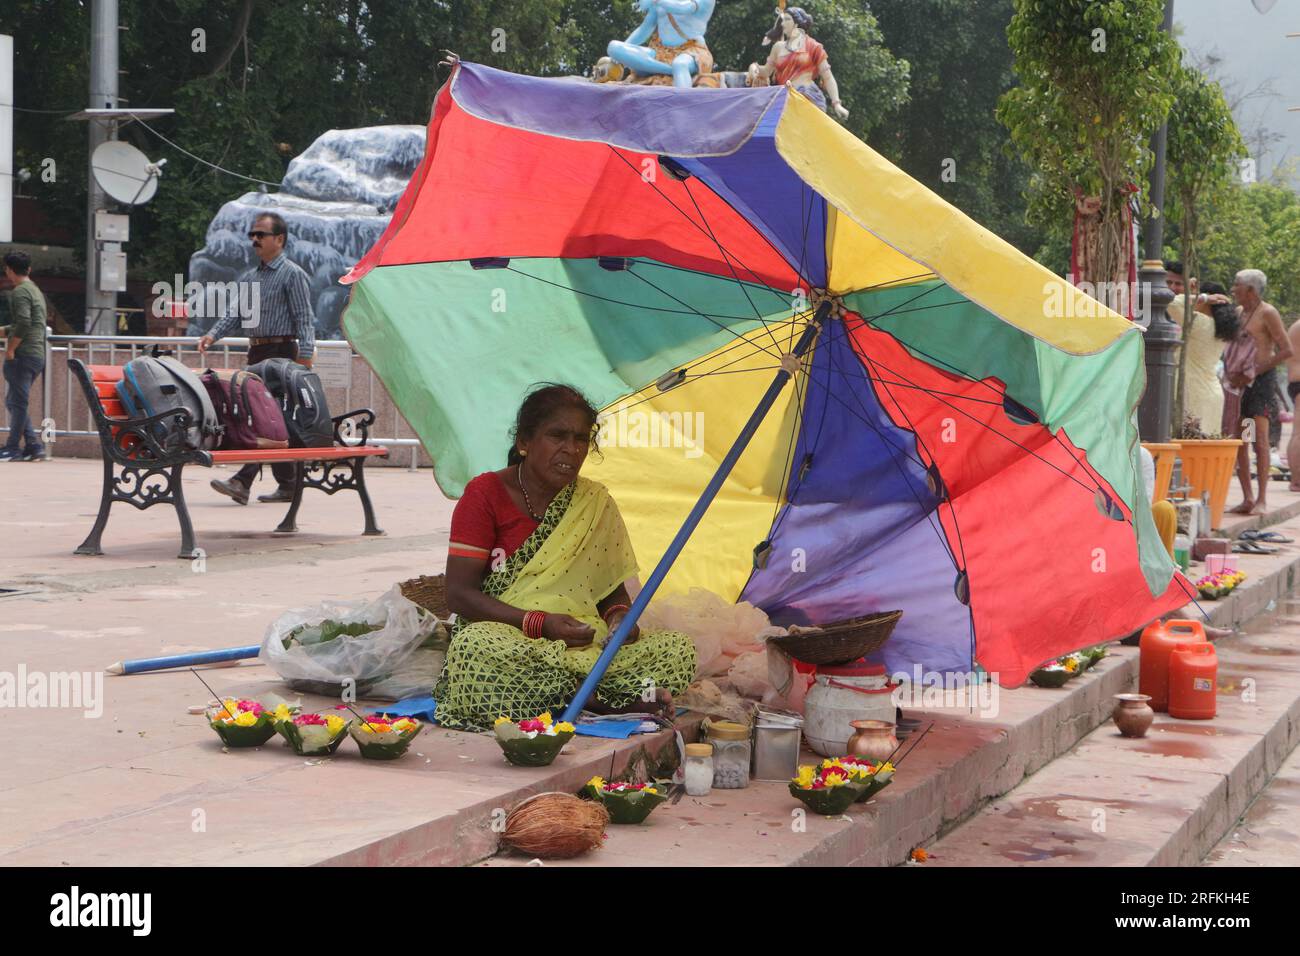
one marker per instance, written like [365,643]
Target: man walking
[282,326]
[24,357]
[1272,347]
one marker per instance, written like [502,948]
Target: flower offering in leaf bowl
[532,743]
[1054,674]
[829,790]
[241,723]
[310,735]
[380,738]
[872,775]
[625,802]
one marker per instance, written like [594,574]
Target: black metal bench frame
[141,472]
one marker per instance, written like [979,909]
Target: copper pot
[1133,714]
[872,739]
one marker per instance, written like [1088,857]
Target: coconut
[555,826]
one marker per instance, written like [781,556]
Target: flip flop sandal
[1250,547]
[1255,534]
[1272,537]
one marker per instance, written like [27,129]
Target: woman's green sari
[579,554]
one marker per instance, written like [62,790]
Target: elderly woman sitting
[536,574]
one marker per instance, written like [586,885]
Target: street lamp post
[1163,337]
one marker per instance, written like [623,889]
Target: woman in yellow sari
[536,574]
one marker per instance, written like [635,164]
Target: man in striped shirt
[282,326]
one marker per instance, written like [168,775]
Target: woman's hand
[563,627]
[613,623]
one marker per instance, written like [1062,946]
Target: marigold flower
[500,720]
[919,855]
[804,778]
[597,782]
[334,723]
[564,727]
[282,712]
[246,719]
[544,718]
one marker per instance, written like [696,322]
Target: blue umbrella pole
[183,660]
[688,526]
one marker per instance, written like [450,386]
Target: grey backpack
[157,383]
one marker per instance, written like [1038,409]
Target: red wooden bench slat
[104,373]
[247,455]
[113,408]
[106,389]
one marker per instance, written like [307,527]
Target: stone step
[1266,833]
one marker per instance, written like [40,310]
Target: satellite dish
[125,173]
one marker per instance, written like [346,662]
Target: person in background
[1263,324]
[284,327]
[1212,326]
[1174,276]
[24,357]
[1293,389]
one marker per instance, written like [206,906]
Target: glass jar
[732,752]
[699,769]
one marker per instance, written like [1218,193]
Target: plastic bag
[364,660]
[722,631]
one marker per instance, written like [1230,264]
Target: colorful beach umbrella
[957,435]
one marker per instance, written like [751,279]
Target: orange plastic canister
[1193,682]
[1157,643]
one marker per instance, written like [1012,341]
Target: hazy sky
[1253,49]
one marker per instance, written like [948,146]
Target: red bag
[251,417]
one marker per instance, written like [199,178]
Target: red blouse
[486,519]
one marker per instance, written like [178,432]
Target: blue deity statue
[669,41]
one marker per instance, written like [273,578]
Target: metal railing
[111,348]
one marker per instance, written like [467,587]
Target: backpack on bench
[152,384]
[250,416]
[302,401]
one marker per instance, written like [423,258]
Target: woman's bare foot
[1244,508]
[1217,633]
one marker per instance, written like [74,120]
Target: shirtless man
[1272,348]
[1293,389]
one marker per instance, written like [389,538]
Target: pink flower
[527,725]
[304,719]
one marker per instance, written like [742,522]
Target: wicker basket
[842,642]
[428,592]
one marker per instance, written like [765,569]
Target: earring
[523,452]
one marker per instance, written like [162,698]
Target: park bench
[140,472]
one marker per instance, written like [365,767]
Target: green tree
[1203,149]
[1096,79]
[947,135]
[1254,226]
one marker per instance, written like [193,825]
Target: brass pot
[872,740]
[1133,714]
